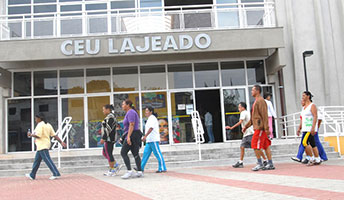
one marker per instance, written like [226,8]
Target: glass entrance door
[231,115]
[182,105]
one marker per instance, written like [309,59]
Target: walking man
[260,123]
[42,134]
[247,138]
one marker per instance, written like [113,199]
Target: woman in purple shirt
[131,139]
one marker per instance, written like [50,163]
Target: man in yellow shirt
[42,134]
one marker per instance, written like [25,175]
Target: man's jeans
[210,133]
[43,154]
[318,144]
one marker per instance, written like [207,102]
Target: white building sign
[120,46]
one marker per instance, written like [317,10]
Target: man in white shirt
[271,113]
[152,139]
[208,119]
[247,137]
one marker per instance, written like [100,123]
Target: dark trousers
[43,154]
[134,148]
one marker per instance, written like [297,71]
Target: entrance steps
[176,156]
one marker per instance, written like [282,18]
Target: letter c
[64,47]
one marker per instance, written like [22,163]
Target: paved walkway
[289,181]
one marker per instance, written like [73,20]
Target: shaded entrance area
[209,101]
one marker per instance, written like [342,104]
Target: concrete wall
[318,26]
[222,40]
[2,7]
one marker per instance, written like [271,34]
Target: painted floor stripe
[272,188]
[299,170]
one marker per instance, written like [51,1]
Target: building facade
[71,57]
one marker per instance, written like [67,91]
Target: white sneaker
[110,173]
[138,174]
[53,177]
[127,175]
[29,176]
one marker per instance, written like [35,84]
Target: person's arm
[315,118]
[130,131]
[236,125]
[148,132]
[319,122]
[300,127]
[60,141]
[37,133]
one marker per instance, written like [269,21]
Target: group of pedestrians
[256,128]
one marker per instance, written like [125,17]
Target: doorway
[209,101]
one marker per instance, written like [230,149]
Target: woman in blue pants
[152,138]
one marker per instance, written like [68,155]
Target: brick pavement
[288,181]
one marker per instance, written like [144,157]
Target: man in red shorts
[260,122]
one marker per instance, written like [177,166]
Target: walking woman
[109,126]
[131,139]
[42,134]
[152,138]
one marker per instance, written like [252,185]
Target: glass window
[255,72]
[70,8]
[225,1]
[153,77]
[44,8]
[15,29]
[158,100]
[44,28]
[45,83]
[18,124]
[119,113]
[22,84]
[72,81]
[47,106]
[74,107]
[180,76]
[182,106]
[232,98]
[125,79]
[150,3]
[123,4]
[68,0]
[99,6]
[95,118]
[198,19]
[43,1]
[207,74]
[19,10]
[233,73]
[98,80]
[16,2]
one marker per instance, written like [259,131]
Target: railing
[62,133]
[144,20]
[332,123]
[198,130]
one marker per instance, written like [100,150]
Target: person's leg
[320,147]
[36,164]
[271,128]
[158,155]
[146,153]
[268,153]
[242,153]
[262,155]
[301,148]
[124,153]
[135,148]
[210,133]
[46,157]
[112,161]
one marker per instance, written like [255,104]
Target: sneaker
[305,161]
[138,174]
[265,163]
[269,167]
[111,172]
[317,163]
[238,165]
[29,176]
[296,159]
[257,168]
[311,163]
[53,177]
[127,175]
